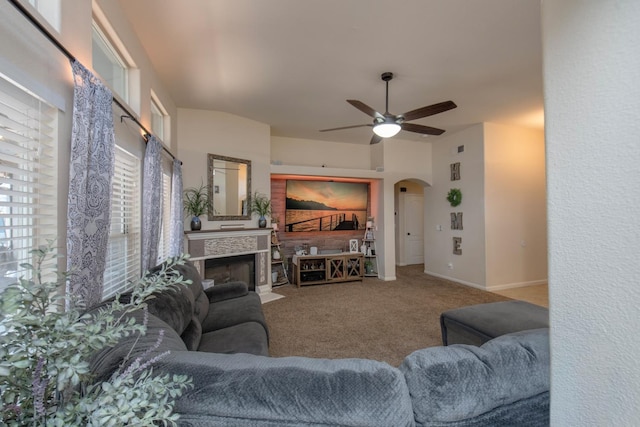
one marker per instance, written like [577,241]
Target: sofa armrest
[248,390]
[226,291]
[504,382]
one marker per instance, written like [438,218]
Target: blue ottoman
[477,324]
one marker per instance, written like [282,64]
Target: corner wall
[202,132]
[502,180]
[515,206]
[592,100]
[470,267]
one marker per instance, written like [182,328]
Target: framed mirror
[229,188]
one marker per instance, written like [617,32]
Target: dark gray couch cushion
[192,334]
[465,384]
[106,361]
[247,337]
[230,312]
[477,324]
[245,390]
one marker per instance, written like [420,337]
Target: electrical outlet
[450,266]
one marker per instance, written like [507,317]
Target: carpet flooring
[373,319]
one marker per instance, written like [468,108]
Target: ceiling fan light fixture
[386,130]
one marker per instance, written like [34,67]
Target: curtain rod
[45,32]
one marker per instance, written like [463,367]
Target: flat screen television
[326,205]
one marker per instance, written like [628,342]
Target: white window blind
[123,256]
[28,177]
[165,233]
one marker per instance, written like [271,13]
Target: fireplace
[231,269]
[232,254]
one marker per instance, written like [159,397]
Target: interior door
[413,219]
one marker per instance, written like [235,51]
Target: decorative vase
[262,222]
[274,277]
[196,224]
[276,255]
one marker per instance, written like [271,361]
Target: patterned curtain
[151,202]
[91,167]
[176,245]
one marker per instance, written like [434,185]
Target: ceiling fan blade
[375,139]
[345,127]
[365,108]
[429,110]
[427,130]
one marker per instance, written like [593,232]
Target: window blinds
[28,177]
[123,258]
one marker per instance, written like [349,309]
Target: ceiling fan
[387,125]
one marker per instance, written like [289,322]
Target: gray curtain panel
[151,202]
[91,167]
[177,217]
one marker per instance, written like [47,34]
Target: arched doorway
[409,221]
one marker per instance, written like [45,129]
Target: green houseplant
[261,206]
[45,354]
[196,202]
[368,267]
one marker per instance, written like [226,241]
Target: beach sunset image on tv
[325,205]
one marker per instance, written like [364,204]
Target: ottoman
[480,323]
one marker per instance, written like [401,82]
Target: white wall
[515,206]
[307,152]
[145,78]
[468,268]
[592,105]
[402,156]
[202,132]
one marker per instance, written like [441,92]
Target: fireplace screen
[231,269]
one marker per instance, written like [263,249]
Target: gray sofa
[503,383]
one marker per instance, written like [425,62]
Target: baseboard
[493,288]
[264,289]
[388,278]
[516,285]
[453,279]
[269,296]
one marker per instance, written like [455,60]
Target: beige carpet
[372,319]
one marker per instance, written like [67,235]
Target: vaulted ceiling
[293,63]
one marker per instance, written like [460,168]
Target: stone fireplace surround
[210,244]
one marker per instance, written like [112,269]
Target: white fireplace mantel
[208,244]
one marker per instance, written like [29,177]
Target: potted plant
[261,206]
[368,267]
[45,355]
[196,203]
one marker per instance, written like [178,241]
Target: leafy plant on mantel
[196,200]
[260,204]
[45,352]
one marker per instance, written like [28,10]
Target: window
[158,118]
[28,177]
[165,231]
[109,64]
[50,10]
[123,255]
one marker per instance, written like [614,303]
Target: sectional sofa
[219,337]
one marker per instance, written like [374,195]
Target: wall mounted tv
[326,205]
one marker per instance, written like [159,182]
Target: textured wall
[592,109]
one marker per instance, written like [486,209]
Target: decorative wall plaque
[456,220]
[455,171]
[457,243]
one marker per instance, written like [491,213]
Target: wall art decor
[456,220]
[457,245]
[455,171]
[454,196]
